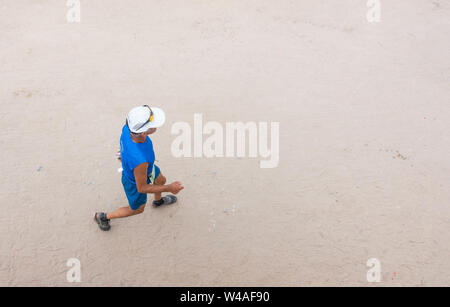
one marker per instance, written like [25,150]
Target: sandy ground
[364,141]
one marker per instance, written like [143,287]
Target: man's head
[144,120]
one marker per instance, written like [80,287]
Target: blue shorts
[136,199]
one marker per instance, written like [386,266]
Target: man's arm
[140,174]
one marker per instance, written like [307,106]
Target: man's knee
[139,210]
[160,180]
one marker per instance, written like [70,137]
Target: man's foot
[168,199]
[102,221]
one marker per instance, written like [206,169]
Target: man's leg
[102,218]
[124,212]
[137,203]
[160,180]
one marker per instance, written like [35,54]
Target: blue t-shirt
[133,154]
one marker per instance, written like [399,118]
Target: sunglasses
[149,120]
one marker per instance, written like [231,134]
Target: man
[140,174]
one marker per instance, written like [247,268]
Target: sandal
[168,199]
[102,221]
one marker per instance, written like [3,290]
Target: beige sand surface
[364,141]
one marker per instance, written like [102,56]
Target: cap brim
[159,118]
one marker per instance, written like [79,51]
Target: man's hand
[175,187]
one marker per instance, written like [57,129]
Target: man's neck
[140,139]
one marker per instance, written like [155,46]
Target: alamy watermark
[228,141]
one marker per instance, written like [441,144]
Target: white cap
[140,119]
